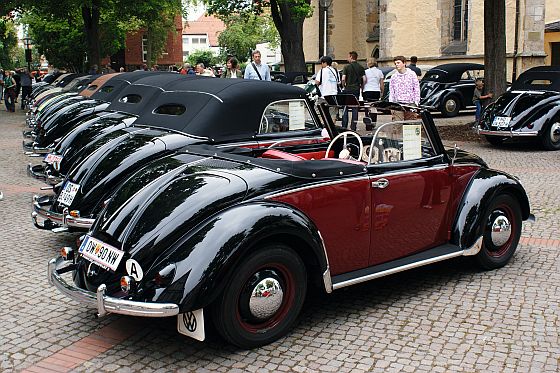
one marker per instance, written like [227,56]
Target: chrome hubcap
[450,105]
[555,132]
[266,298]
[501,230]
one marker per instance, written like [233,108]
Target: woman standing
[9,92]
[232,72]
[373,89]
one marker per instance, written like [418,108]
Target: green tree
[205,56]
[8,42]
[243,33]
[287,15]
[103,23]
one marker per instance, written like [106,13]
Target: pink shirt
[404,88]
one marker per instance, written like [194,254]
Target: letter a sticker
[134,270]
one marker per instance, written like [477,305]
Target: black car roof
[539,78]
[220,109]
[450,72]
[112,87]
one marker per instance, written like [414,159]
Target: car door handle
[381,184]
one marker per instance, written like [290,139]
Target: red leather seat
[279,154]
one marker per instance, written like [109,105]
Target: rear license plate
[101,253]
[68,193]
[52,158]
[501,122]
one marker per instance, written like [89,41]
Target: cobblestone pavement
[448,317]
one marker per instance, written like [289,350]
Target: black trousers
[25,93]
[371,96]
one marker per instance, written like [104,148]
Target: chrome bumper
[36,171]
[55,221]
[31,149]
[104,303]
[481,131]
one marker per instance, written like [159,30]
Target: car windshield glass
[400,141]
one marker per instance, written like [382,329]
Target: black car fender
[206,258]
[549,113]
[485,185]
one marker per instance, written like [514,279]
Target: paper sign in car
[101,253]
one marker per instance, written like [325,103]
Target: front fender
[485,185]
[206,258]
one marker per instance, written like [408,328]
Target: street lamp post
[325,5]
[28,43]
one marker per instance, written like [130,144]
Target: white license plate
[53,158]
[501,122]
[101,253]
[68,193]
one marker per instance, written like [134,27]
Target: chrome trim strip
[396,270]
[318,185]
[106,304]
[411,171]
[507,134]
[327,280]
[82,223]
[475,248]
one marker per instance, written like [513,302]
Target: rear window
[92,88]
[131,99]
[170,109]
[538,82]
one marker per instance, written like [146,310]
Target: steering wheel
[345,153]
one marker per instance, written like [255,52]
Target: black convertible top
[112,87]
[450,72]
[218,109]
[540,78]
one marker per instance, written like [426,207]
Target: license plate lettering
[501,122]
[68,193]
[53,158]
[101,253]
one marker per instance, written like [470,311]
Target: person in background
[412,65]
[17,78]
[404,88]
[2,76]
[257,70]
[327,80]
[201,70]
[26,82]
[232,71]
[9,91]
[353,78]
[373,89]
[121,69]
[93,70]
[478,98]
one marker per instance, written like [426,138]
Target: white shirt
[374,76]
[250,72]
[327,81]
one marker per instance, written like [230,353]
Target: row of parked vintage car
[225,200]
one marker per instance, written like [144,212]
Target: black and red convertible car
[237,236]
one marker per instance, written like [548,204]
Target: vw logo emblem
[189,320]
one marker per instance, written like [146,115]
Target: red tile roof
[205,24]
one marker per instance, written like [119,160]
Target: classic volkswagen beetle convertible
[530,109]
[238,236]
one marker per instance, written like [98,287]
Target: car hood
[521,106]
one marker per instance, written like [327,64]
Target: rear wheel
[450,106]
[551,136]
[495,140]
[263,298]
[502,230]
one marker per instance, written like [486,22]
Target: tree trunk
[290,30]
[90,14]
[495,47]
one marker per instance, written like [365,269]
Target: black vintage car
[238,237]
[529,109]
[224,112]
[54,124]
[449,88]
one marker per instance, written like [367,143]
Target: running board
[434,255]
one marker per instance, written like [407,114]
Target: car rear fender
[485,185]
[550,114]
[206,257]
